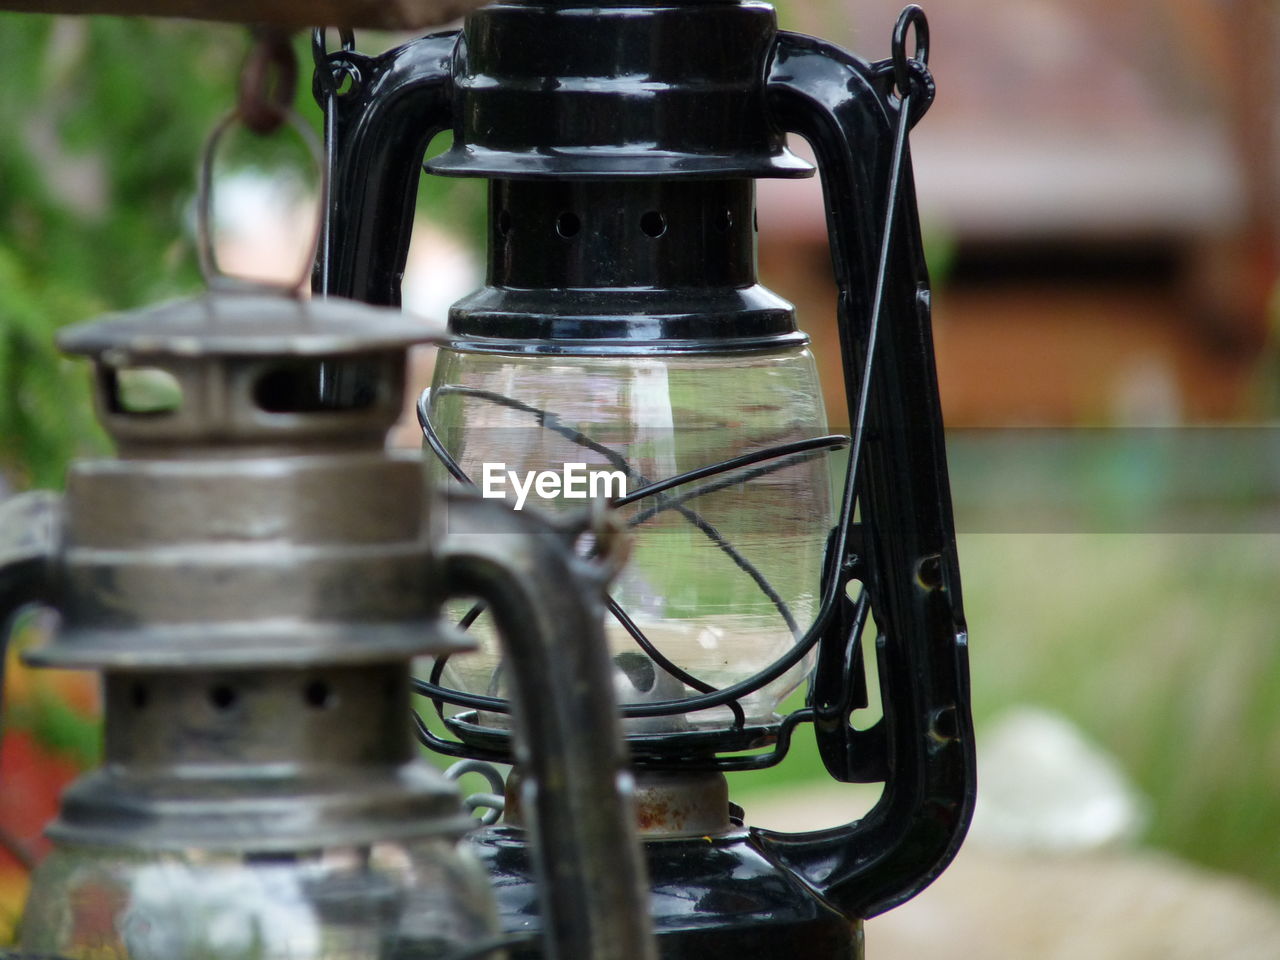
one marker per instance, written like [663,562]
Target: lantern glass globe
[420,899]
[726,571]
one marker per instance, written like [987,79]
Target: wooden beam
[363,14]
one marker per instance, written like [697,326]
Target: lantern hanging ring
[214,277]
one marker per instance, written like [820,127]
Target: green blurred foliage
[1162,647]
[105,118]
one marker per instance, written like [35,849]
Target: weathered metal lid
[247,365]
[245,321]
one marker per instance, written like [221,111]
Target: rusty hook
[268,81]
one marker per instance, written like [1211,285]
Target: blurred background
[1098,186]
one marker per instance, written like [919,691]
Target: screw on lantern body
[254,609]
[621,324]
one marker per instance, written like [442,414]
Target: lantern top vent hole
[249,368]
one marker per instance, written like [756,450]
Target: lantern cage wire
[667,749]
[723,749]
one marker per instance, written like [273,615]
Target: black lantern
[621,331]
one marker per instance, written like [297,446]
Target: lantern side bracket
[376,136]
[849,112]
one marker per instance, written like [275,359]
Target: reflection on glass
[420,900]
[725,571]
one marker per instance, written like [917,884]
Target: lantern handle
[856,115]
[214,277]
[547,602]
[376,135]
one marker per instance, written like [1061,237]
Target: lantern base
[709,897]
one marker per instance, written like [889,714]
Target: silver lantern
[252,575]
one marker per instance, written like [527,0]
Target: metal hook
[912,16]
[268,82]
[329,70]
[320,42]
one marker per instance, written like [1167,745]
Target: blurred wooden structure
[1099,181]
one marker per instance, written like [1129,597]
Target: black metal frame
[856,116]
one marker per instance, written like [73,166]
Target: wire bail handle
[268,84]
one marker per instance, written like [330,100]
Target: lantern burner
[669,804]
